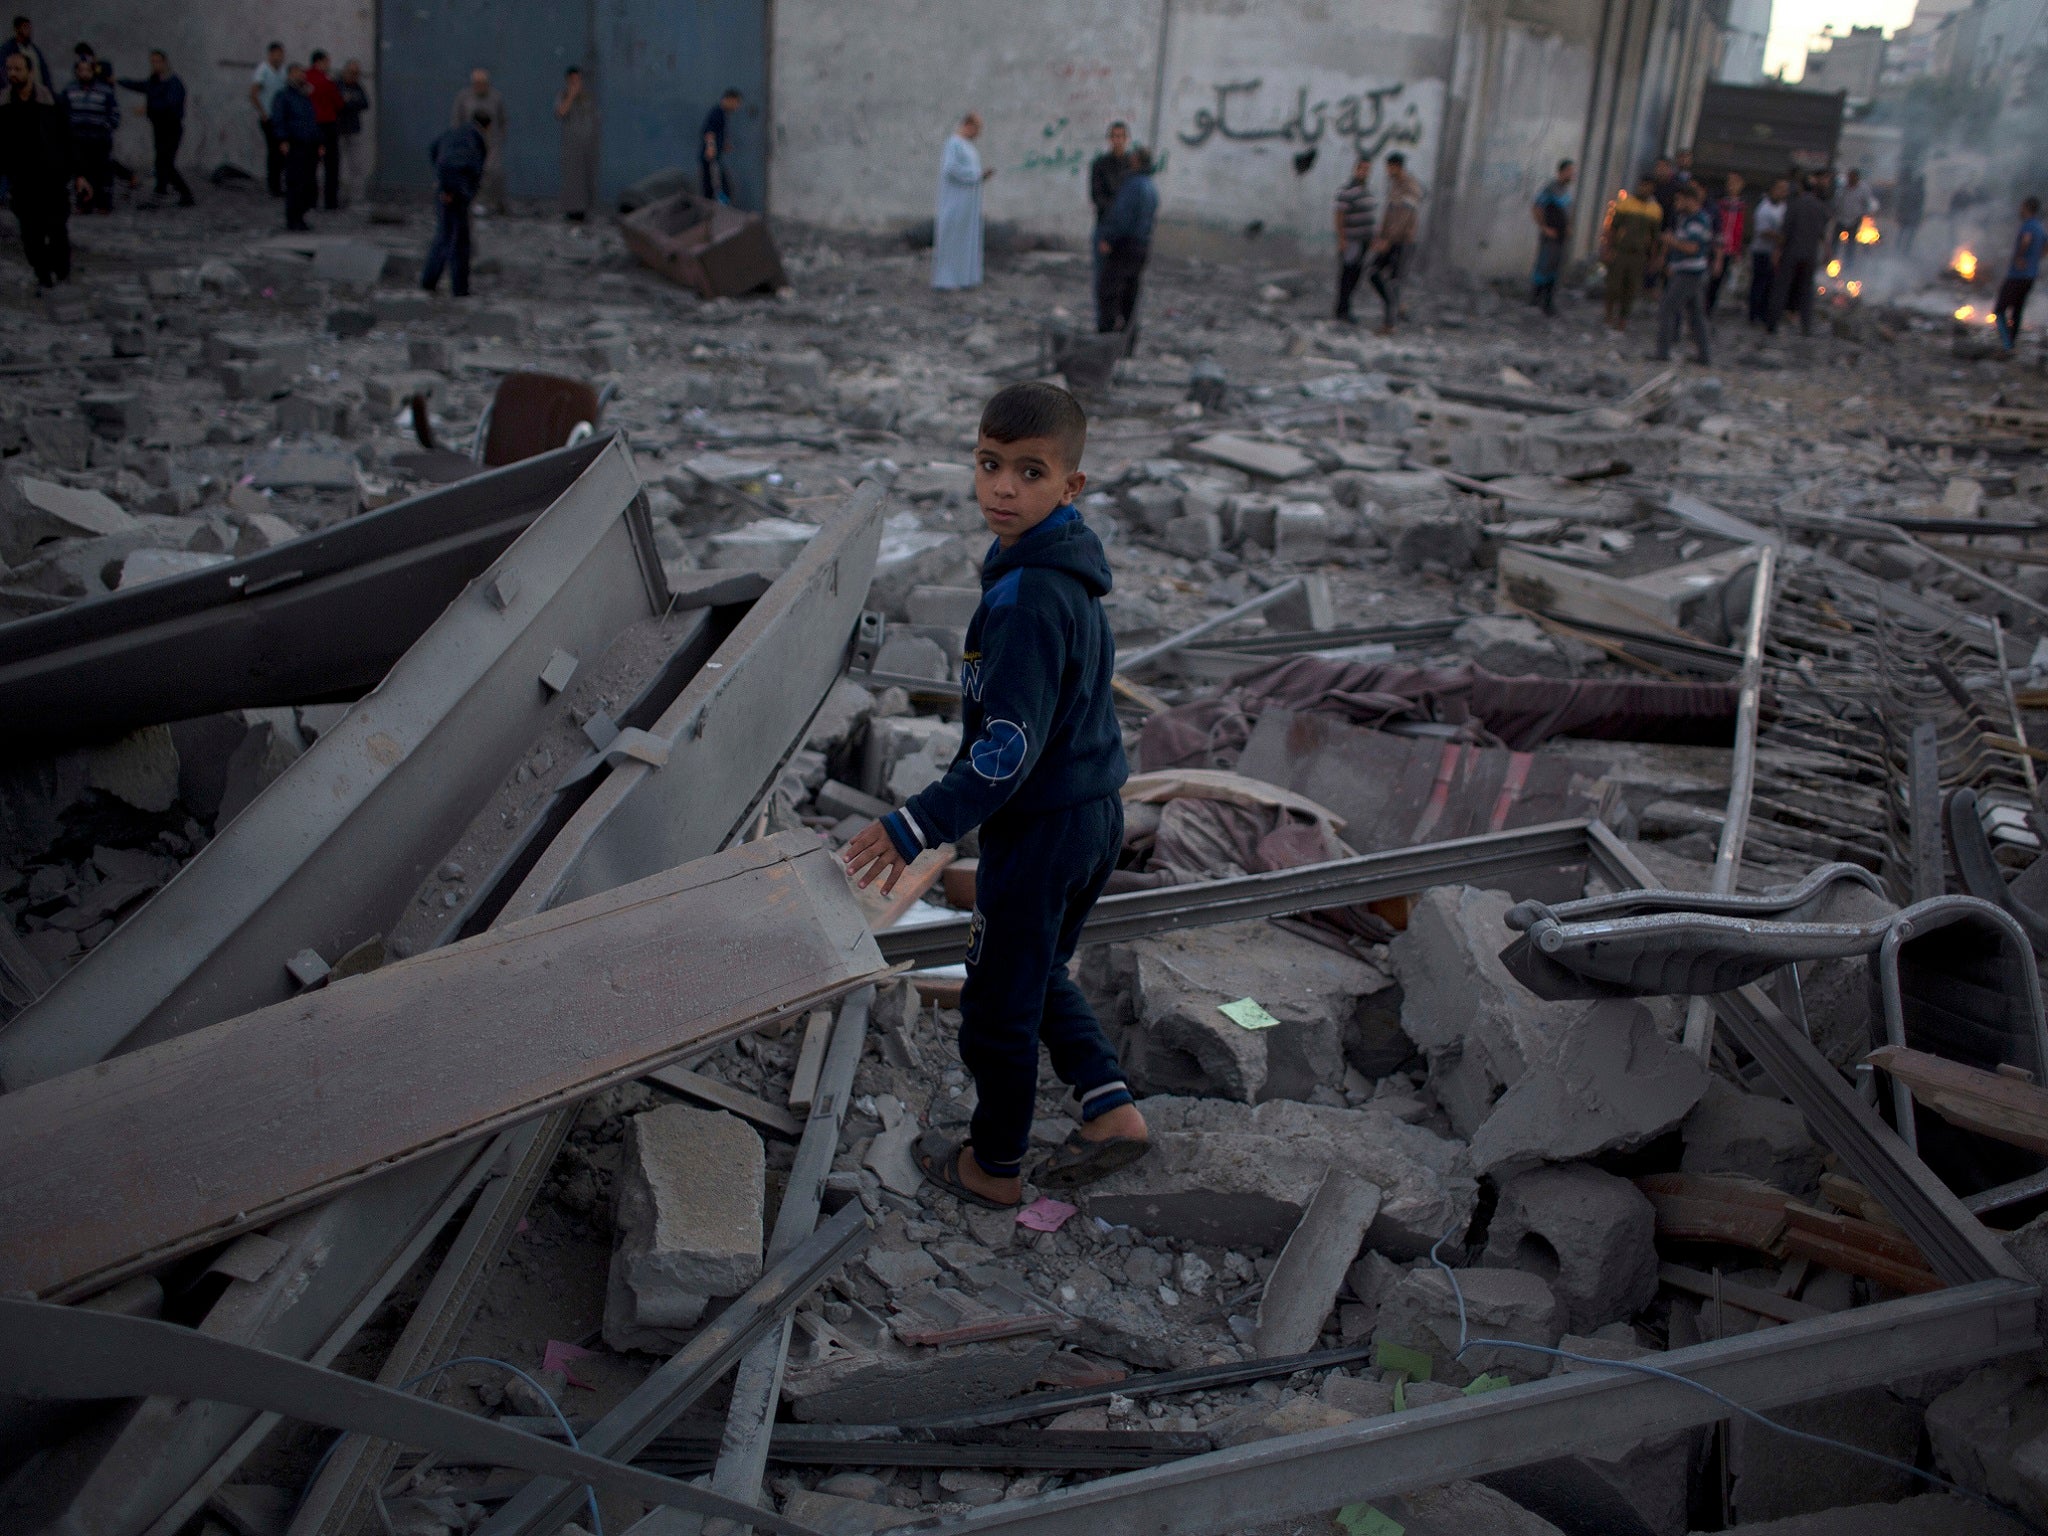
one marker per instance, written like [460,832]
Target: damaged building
[1575,941]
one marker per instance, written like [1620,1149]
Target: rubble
[1587,1232]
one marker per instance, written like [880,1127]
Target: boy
[2019,277]
[1039,768]
[1688,245]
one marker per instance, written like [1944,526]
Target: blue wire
[589,1493]
[1465,1342]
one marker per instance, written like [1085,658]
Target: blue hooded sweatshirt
[1038,720]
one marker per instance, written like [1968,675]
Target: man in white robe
[956,227]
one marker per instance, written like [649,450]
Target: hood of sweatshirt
[1063,542]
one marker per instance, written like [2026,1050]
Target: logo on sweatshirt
[970,676]
[1001,750]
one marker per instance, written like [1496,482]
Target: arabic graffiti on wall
[1051,156]
[1372,120]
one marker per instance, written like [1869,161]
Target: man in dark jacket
[1124,242]
[24,42]
[1105,175]
[35,159]
[94,112]
[163,103]
[458,159]
[297,131]
[1805,227]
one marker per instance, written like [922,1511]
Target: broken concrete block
[905,753]
[351,263]
[1197,535]
[1161,997]
[1775,1477]
[914,556]
[946,482]
[32,511]
[1524,1079]
[846,710]
[1360,1398]
[270,744]
[1250,520]
[1614,1083]
[1302,530]
[1241,1176]
[1418,537]
[1302,1289]
[1389,489]
[1487,454]
[433,354]
[1962,497]
[942,607]
[141,769]
[1734,1131]
[115,414]
[302,469]
[62,442]
[1126,1322]
[803,373]
[1990,1434]
[840,800]
[607,356]
[1255,456]
[1308,607]
[905,654]
[147,565]
[257,531]
[833,1515]
[687,1223]
[251,378]
[1264,1421]
[1510,646]
[351,321]
[1460,1509]
[388,393]
[768,544]
[1590,1235]
[1152,505]
[1421,1312]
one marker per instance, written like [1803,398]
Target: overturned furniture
[531,414]
[718,250]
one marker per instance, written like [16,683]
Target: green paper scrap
[1483,1384]
[1389,1356]
[1247,1014]
[1400,1394]
[1364,1520]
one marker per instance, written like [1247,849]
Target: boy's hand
[871,853]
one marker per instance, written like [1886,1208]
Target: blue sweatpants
[1038,878]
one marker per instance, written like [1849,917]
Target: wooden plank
[759,1113]
[1990,1103]
[810,1061]
[1750,1298]
[119,1166]
[1716,1208]
[1857,1261]
[1853,1231]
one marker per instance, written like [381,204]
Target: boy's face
[1019,485]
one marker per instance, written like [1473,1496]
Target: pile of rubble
[1454,619]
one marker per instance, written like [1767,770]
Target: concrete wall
[1257,107]
[213,47]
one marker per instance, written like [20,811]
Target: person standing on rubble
[1124,242]
[1396,239]
[1552,211]
[95,113]
[1853,204]
[459,157]
[163,103]
[578,117]
[297,129]
[956,223]
[35,160]
[2020,274]
[1767,235]
[1630,240]
[1105,174]
[326,97]
[23,42]
[712,136]
[480,96]
[1688,247]
[1356,215]
[355,152]
[1799,245]
[265,81]
[1731,225]
[1039,770]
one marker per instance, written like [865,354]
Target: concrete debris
[1731,1131]
[854,1371]
[688,1219]
[1590,1234]
[1302,1289]
[1990,1434]
[1421,1312]
[1774,1476]
[33,511]
[1161,1000]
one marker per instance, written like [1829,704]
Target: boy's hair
[1689,191]
[1397,158]
[2030,205]
[1034,409]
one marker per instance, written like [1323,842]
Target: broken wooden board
[1718,1208]
[2007,1109]
[122,1165]
[1256,456]
[1857,1247]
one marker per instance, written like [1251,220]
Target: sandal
[1077,1160]
[938,1156]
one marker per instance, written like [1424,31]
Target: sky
[1796,23]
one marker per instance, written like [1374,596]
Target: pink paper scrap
[558,1356]
[1046,1214]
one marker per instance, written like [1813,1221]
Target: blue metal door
[425,51]
[661,66]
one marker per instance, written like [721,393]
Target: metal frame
[321,616]
[327,855]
